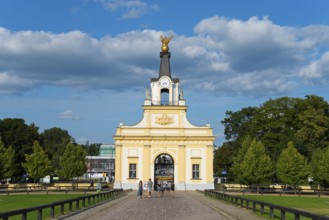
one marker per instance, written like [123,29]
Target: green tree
[320,167]
[256,167]
[274,124]
[54,141]
[223,158]
[292,167]
[37,163]
[6,161]
[313,124]
[239,124]
[238,158]
[92,149]
[305,122]
[14,132]
[73,163]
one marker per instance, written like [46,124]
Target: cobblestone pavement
[184,206]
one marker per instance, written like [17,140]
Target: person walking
[149,187]
[163,187]
[140,189]
[172,189]
[159,189]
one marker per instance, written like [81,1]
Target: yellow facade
[187,144]
[164,145]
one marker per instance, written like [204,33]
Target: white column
[176,93]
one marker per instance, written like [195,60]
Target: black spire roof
[165,64]
[165,67]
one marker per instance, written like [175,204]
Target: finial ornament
[165,41]
[181,94]
[148,94]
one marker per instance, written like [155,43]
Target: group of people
[165,186]
[161,188]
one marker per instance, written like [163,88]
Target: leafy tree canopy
[278,121]
[320,166]
[292,167]
[15,133]
[37,163]
[73,163]
[7,155]
[54,141]
[252,166]
[223,158]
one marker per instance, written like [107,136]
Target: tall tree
[238,158]
[73,163]
[292,167]
[305,122]
[223,158]
[54,141]
[37,163]
[6,161]
[320,166]
[256,167]
[239,124]
[14,132]
[313,123]
[274,124]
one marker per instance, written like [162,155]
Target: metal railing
[95,198]
[253,204]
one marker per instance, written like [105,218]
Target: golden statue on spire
[165,41]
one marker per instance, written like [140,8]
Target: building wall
[164,129]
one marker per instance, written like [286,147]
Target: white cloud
[252,57]
[68,115]
[130,9]
[317,71]
[11,84]
[252,44]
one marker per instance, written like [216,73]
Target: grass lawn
[314,205]
[14,202]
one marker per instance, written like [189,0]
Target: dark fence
[253,204]
[271,190]
[30,187]
[90,199]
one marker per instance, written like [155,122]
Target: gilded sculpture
[164,119]
[165,41]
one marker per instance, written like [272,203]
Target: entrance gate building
[164,145]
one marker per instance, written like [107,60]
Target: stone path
[184,206]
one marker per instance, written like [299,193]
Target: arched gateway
[164,145]
[164,169]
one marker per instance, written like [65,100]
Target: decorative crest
[165,41]
[164,119]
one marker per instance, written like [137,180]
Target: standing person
[173,189]
[168,187]
[140,189]
[99,187]
[162,188]
[149,187]
[159,188]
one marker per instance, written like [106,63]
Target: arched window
[164,96]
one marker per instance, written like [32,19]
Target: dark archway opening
[163,169]
[164,96]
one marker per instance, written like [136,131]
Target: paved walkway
[184,206]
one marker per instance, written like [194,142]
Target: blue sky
[84,65]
